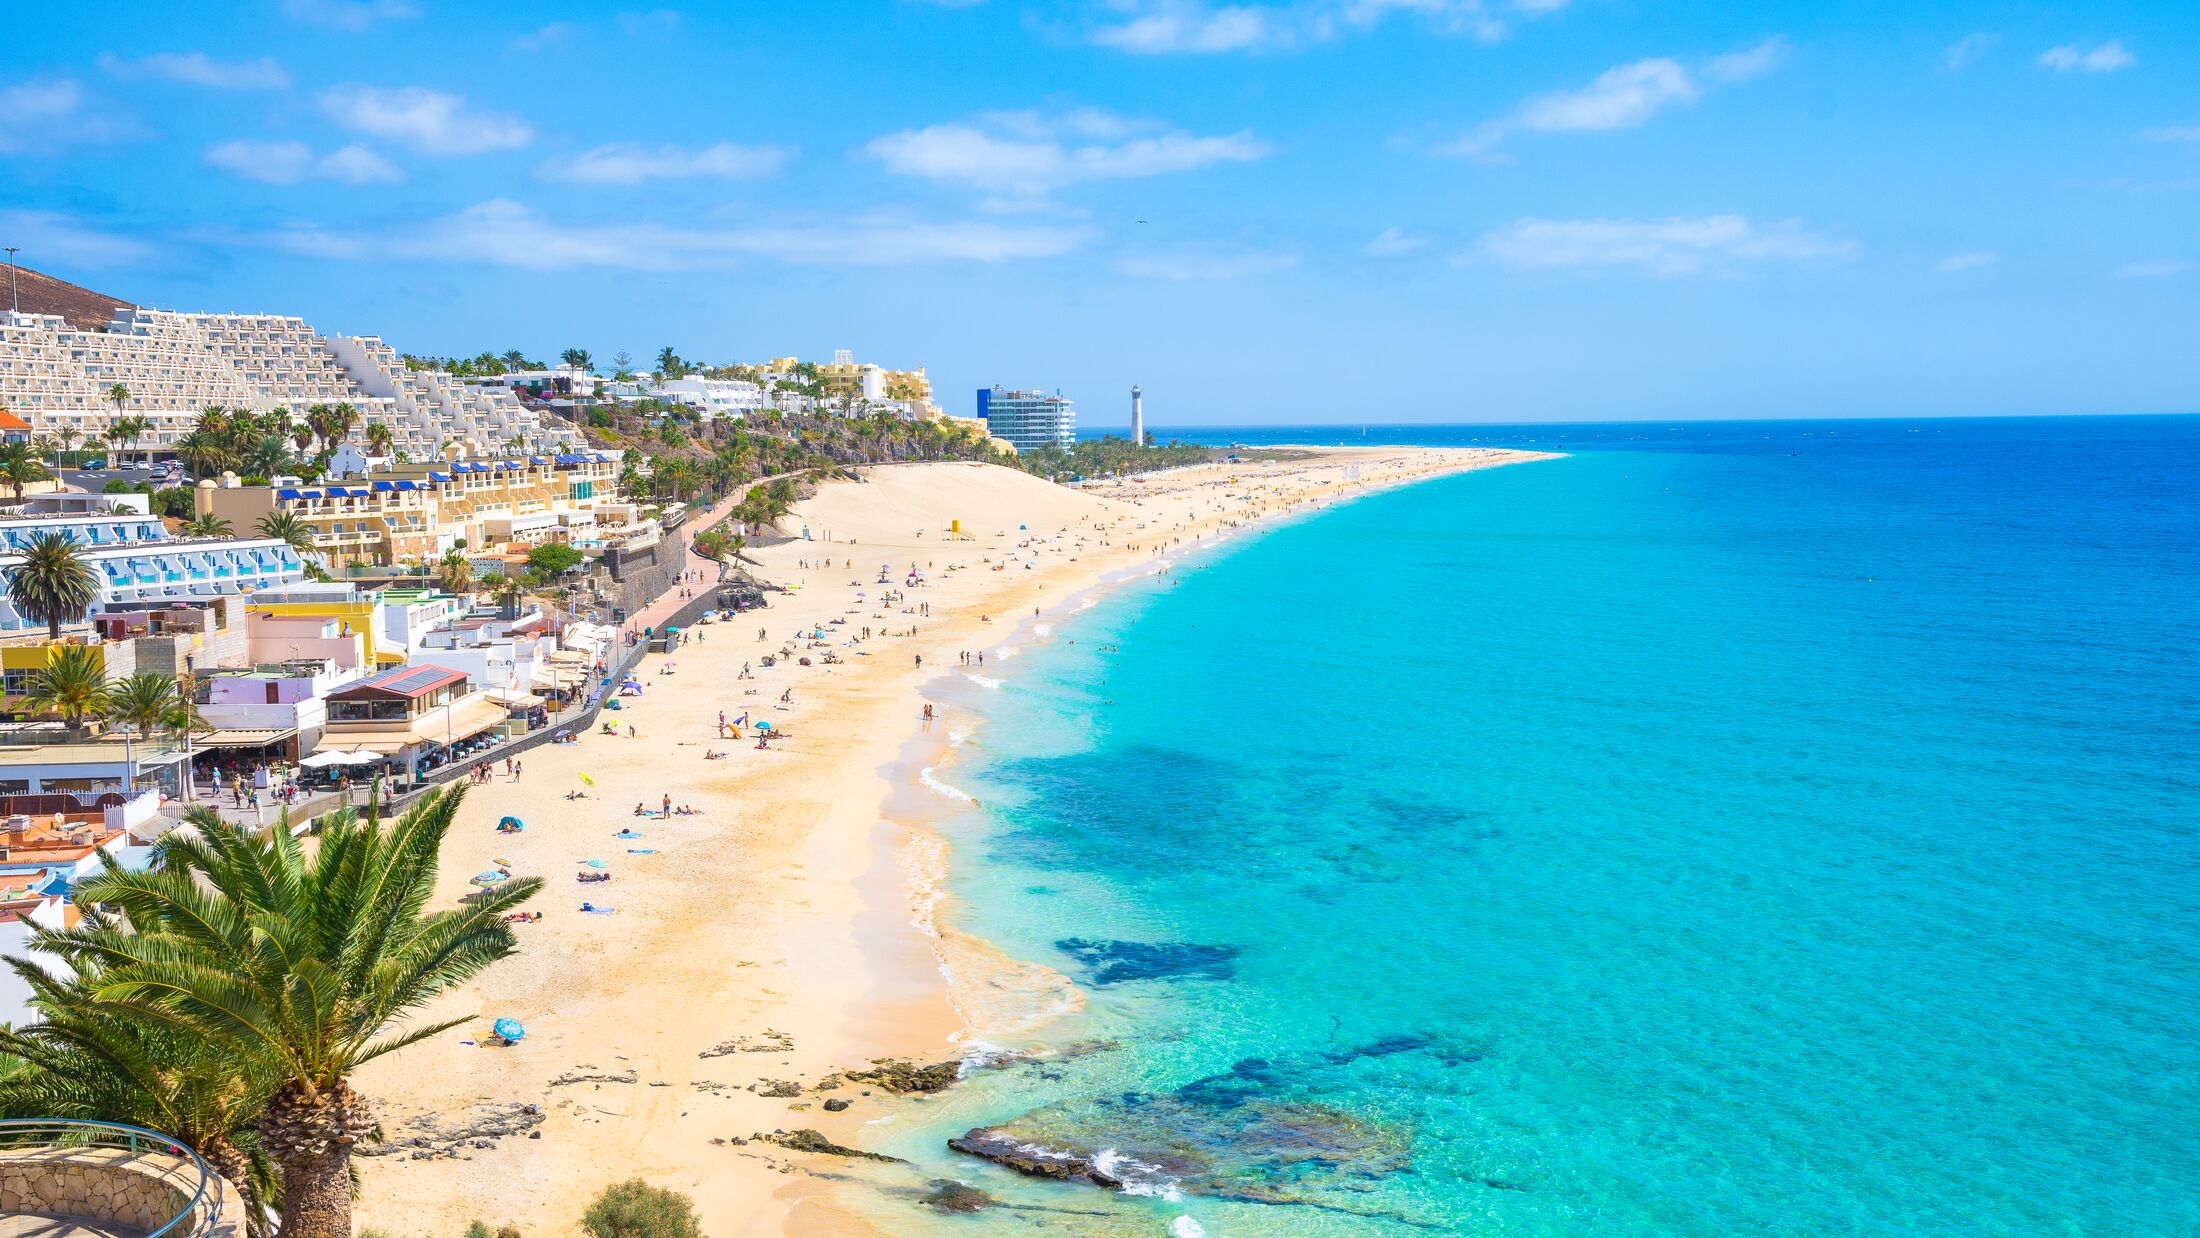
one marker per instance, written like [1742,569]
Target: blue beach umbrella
[510,1029]
[490,878]
[627,834]
[514,822]
[595,863]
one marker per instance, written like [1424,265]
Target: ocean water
[1767,829]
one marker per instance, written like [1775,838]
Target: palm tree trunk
[234,1167]
[311,1136]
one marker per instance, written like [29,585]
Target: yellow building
[417,512]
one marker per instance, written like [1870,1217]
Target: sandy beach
[781,933]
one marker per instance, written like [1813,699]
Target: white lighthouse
[1138,417]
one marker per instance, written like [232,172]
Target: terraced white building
[176,365]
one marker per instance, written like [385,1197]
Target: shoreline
[771,942]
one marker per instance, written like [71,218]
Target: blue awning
[384,485]
[408,485]
[439,476]
[286,494]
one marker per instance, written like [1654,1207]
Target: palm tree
[208,525]
[380,438]
[151,703]
[128,430]
[321,419]
[347,418]
[454,572]
[80,1060]
[290,529]
[267,455]
[20,465]
[576,357]
[118,395]
[300,963]
[201,452]
[73,683]
[515,360]
[54,584]
[668,362]
[67,436]
[302,433]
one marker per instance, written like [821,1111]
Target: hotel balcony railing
[187,1178]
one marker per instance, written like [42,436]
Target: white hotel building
[137,562]
[176,365]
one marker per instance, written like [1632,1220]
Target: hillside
[39,293]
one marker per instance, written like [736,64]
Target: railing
[22,1136]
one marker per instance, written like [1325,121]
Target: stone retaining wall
[135,1192]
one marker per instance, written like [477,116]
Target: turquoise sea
[1743,829]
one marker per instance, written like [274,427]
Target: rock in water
[948,1195]
[993,1144]
[908,1076]
[1114,962]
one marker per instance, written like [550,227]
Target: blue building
[1029,420]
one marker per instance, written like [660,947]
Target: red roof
[402,681]
[9,421]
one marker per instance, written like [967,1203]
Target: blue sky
[1306,210]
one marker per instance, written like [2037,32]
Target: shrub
[173,501]
[550,558]
[635,1209]
[478,1230]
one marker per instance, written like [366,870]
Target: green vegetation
[552,558]
[54,584]
[73,684]
[20,466]
[289,968]
[289,529]
[635,1209]
[1112,455]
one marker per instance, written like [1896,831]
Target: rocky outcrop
[906,1077]
[807,1140]
[990,1143]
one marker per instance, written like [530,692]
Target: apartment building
[713,397]
[1028,420]
[175,365]
[139,564]
[420,511]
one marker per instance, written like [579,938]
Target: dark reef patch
[1115,962]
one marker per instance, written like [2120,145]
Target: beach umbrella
[511,821]
[322,760]
[510,1029]
[595,863]
[763,726]
[627,834]
[487,879]
[590,781]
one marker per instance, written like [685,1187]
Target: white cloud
[429,121]
[1660,247]
[653,22]
[630,163]
[287,163]
[2157,268]
[199,69]
[1625,96]
[1967,49]
[52,240]
[1391,242]
[1034,153]
[1195,27]
[2173,133]
[1189,265]
[356,165]
[1969,260]
[1748,65]
[43,116]
[548,36]
[349,14]
[2070,58]
[506,233]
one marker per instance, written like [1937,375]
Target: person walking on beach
[920,661]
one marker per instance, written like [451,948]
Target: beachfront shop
[414,719]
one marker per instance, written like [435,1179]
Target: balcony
[104,1178]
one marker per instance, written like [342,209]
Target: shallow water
[1780,829]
